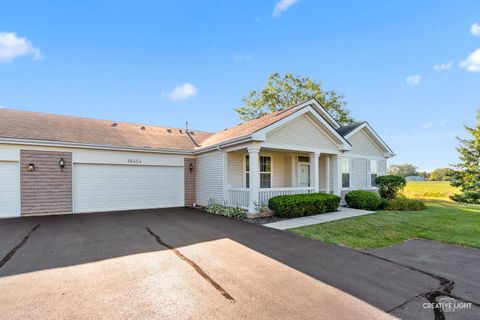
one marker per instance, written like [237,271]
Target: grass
[444,221]
[429,190]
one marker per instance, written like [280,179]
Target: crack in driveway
[195,266]
[445,288]
[18,246]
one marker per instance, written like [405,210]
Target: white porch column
[327,174]
[338,185]
[314,171]
[254,169]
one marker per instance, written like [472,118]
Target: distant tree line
[410,170]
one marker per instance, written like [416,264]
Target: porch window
[373,172]
[345,173]
[265,172]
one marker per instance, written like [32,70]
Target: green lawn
[429,189]
[444,221]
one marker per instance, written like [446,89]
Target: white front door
[304,175]
[125,187]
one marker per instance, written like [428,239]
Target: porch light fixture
[31,167]
[190,167]
[61,163]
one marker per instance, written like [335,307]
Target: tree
[441,174]
[467,173]
[403,170]
[286,91]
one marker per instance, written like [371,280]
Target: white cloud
[430,124]
[183,92]
[443,66]
[413,80]
[12,47]
[282,6]
[475,29]
[243,57]
[472,63]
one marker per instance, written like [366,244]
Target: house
[52,164]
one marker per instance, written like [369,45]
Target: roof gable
[257,128]
[367,133]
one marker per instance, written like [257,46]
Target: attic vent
[114,124]
[169,130]
[142,128]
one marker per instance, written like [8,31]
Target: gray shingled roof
[344,130]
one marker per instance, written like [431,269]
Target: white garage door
[9,189]
[119,187]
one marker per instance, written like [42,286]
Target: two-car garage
[123,187]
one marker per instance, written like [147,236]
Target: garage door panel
[9,189]
[115,187]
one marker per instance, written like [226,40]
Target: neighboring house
[53,164]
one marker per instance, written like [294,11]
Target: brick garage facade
[189,179]
[47,189]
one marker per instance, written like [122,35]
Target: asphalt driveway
[182,263]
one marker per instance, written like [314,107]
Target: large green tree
[467,173]
[441,174]
[288,90]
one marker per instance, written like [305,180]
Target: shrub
[388,186]
[224,210]
[299,205]
[402,203]
[363,199]
[467,197]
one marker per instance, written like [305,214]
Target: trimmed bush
[224,210]
[299,205]
[401,203]
[362,199]
[388,186]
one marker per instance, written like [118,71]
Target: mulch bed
[264,220]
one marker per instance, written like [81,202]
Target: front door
[304,175]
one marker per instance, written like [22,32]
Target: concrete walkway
[342,213]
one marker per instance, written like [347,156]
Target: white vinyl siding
[382,167]
[235,170]
[209,178]
[126,187]
[363,145]
[334,183]
[9,189]
[360,174]
[301,132]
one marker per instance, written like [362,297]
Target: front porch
[254,175]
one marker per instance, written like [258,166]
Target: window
[373,172]
[265,172]
[345,173]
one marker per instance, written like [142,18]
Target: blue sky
[408,67]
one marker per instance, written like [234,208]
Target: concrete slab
[107,265]
[342,213]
